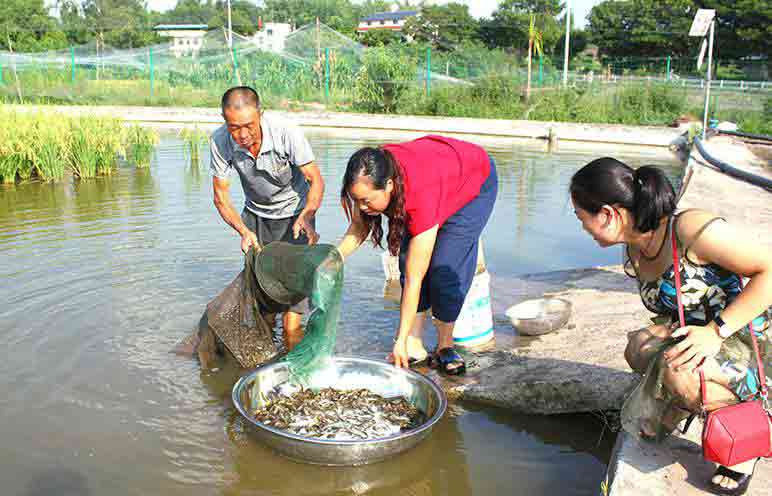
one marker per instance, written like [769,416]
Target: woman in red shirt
[437,194]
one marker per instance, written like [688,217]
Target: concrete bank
[579,368]
[677,466]
[649,136]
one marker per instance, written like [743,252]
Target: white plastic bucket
[474,326]
[391,263]
[390,266]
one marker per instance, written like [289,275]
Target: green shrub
[384,77]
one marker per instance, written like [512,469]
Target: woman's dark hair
[646,192]
[380,166]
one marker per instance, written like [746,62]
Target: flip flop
[446,357]
[415,361]
[742,480]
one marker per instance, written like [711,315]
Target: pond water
[102,278]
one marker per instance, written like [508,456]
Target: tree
[380,37]
[118,23]
[245,16]
[443,26]
[510,21]
[338,14]
[190,12]
[642,27]
[534,44]
[744,27]
[28,27]
[580,39]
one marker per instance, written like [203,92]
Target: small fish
[357,414]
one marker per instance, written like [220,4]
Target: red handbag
[737,433]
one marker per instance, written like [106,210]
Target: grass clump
[96,144]
[194,140]
[140,143]
[496,98]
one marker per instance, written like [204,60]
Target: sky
[478,8]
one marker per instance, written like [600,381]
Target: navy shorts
[454,260]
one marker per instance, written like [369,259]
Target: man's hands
[248,240]
[303,225]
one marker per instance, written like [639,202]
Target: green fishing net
[653,407]
[289,273]
[241,318]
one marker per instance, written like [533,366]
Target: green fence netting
[318,66]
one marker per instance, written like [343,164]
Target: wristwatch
[723,328]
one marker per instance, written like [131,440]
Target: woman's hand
[400,353]
[699,343]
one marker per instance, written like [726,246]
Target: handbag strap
[682,320]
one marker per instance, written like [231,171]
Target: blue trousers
[454,260]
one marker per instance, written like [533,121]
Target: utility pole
[318,41]
[707,82]
[568,35]
[230,26]
[704,23]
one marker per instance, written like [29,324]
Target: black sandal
[449,361]
[742,480]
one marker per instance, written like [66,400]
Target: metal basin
[539,316]
[343,373]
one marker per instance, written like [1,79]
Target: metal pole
[72,64]
[236,74]
[327,73]
[568,36]
[541,70]
[707,86]
[152,69]
[230,26]
[668,68]
[428,71]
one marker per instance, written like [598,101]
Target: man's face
[244,125]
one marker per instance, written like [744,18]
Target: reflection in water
[103,277]
[59,481]
[194,173]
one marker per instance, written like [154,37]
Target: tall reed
[13,160]
[84,160]
[48,146]
[140,143]
[194,139]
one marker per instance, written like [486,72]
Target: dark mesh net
[274,279]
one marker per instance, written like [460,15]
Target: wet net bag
[287,274]
[274,279]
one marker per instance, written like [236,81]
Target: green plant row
[48,146]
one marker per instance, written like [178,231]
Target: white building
[187,39]
[393,21]
[272,37]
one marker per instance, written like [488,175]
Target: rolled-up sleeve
[219,166]
[298,147]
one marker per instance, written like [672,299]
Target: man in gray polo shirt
[283,187]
